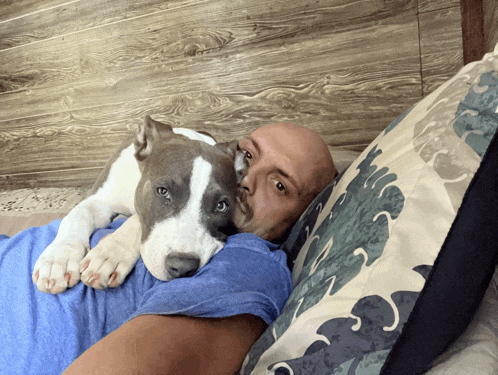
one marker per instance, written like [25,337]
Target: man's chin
[261,232]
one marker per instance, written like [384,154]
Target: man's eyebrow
[255,145]
[278,170]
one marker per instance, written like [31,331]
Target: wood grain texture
[490,9]
[80,80]
[79,177]
[432,5]
[472,30]
[14,9]
[78,16]
[274,64]
[440,46]
[172,35]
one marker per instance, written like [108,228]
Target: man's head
[288,166]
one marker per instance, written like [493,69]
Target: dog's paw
[57,268]
[107,264]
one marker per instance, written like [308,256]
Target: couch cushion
[363,250]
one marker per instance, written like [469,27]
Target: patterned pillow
[366,245]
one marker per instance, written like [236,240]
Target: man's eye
[222,207]
[279,185]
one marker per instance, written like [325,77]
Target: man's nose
[250,180]
[247,184]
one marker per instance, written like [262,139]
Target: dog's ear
[229,148]
[239,160]
[147,134]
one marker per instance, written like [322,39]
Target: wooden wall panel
[432,5]
[175,34]
[490,9]
[440,46]
[474,44]
[270,64]
[77,77]
[14,9]
[73,17]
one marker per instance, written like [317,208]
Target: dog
[179,187]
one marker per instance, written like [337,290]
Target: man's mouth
[241,205]
[245,210]
[244,217]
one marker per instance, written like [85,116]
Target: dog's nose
[182,265]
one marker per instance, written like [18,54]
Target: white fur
[63,258]
[184,232]
[119,188]
[117,253]
[71,244]
[192,134]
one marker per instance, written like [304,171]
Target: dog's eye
[222,207]
[163,192]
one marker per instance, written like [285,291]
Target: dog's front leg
[112,259]
[57,267]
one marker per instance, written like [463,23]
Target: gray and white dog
[178,186]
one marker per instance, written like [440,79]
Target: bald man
[288,166]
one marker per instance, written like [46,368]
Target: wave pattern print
[478,127]
[347,349]
[445,144]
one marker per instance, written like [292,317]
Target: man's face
[276,188]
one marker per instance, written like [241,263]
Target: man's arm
[157,344]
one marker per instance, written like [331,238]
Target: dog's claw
[112,280]
[108,263]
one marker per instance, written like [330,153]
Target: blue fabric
[43,333]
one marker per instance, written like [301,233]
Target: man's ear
[239,161]
[147,134]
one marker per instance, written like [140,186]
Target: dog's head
[185,199]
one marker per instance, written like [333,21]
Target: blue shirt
[43,333]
